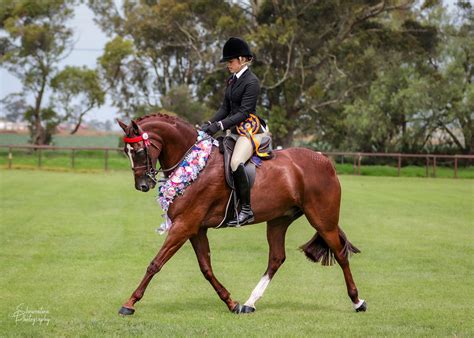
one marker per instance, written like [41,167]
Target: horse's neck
[177,140]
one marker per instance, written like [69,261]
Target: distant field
[77,244]
[66,140]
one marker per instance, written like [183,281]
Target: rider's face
[234,65]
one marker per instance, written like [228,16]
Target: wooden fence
[430,160]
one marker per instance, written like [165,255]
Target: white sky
[90,41]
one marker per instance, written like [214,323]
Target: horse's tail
[317,250]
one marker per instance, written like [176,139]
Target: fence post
[399,165]
[10,157]
[434,166]
[73,158]
[455,166]
[106,160]
[39,157]
[358,165]
[354,166]
[427,166]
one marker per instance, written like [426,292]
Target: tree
[361,75]
[37,38]
[179,100]
[76,91]
[158,46]
[317,56]
[423,102]
[453,88]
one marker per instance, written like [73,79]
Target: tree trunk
[38,132]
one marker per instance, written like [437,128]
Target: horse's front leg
[203,253]
[177,236]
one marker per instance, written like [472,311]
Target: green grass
[77,245]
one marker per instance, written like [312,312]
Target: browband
[143,137]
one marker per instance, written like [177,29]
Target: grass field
[76,245]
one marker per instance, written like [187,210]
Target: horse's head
[143,150]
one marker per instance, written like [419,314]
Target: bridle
[150,168]
[151,171]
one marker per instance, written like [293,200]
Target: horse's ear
[136,128]
[122,125]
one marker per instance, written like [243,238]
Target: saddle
[226,147]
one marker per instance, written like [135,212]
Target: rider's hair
[246,60]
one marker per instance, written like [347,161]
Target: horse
[296,181]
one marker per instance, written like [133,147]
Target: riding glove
[211,129]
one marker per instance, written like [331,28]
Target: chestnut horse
[297,181]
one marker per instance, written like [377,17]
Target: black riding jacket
[240,100]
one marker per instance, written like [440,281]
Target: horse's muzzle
[144,184]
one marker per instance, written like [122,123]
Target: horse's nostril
[144,187]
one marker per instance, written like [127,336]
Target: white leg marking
[129,153]
[257,293]
[357,305]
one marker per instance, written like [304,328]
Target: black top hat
[235,47]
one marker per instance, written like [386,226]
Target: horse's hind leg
[329,235]
[276,231]
[203,253]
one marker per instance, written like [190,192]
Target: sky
[90,41]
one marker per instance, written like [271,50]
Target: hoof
[247,309]
[362,307]
[237,308]
[125,311]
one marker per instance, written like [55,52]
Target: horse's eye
[140,153]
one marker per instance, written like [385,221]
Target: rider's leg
[242,152]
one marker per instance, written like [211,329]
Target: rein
[151,171]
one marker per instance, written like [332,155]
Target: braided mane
[169,118]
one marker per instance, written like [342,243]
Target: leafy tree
[423,100]
[361,75]
[158,46]
[317,56]
[36,40]
[452,88]
[179,100]
[76,91]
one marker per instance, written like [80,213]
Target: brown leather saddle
[226,147]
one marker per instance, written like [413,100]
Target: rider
[240,100]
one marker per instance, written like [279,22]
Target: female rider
[240,100]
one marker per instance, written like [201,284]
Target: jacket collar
[242,71]
[240,79]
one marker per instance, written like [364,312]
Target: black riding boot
[242,185]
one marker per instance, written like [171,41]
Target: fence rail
[431,160]
[39,149]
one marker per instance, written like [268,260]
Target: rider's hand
[211,129]
[205,125]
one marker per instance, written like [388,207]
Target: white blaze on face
[257,293]
[129,153]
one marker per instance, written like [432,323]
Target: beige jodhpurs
[243,150]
